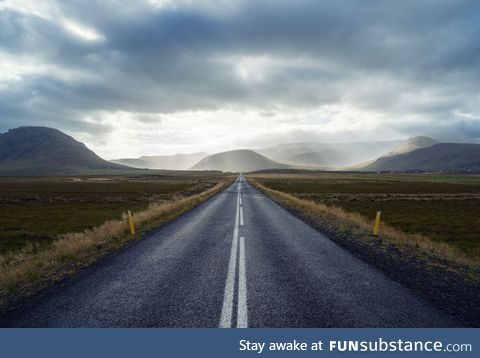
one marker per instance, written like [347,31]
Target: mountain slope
[438,157]
[132,162]
[333,154]
[413,144]
[42,151]
[170,162]
[237,161]
[325,158]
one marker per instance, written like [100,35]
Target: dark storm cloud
[372,54]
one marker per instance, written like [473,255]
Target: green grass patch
[442,207]
[364,186]
[454,221]
[38,210]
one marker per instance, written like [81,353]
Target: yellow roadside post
[130,222]
[376,226]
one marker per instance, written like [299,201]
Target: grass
[456,222]
[370,185]
[440,213]
[375,177]
[40,210]
[60,230]
[43,223]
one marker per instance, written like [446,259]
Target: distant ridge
[48,151]
[322,159]
[318,155]
[169,162]
[438,157]
[413,144]
[238,161]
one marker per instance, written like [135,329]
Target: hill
[322,155]
[438,157]
[325,158]
[169,162]
[413,144]
[48,151]
[132,162]
[238,161]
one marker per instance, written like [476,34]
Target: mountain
[438,157]
[132,162]
[47,151]
[321,155]
[170,162]
[238,161]
[413,144]
[325,158]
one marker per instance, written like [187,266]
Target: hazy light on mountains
[144,77]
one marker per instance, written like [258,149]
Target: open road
[236,260]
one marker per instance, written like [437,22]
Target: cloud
[343,67]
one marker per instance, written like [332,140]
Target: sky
[149,77]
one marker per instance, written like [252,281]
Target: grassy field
[51,227]
[39,210]
[442,207]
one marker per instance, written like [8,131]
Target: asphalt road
[237,260]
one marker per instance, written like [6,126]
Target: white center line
[242,311]
[227,309]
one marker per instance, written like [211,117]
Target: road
[236,260]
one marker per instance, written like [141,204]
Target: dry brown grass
[32,267]
[358,225]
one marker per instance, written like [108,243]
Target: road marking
[240,200]
[227,308]
[242,310]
